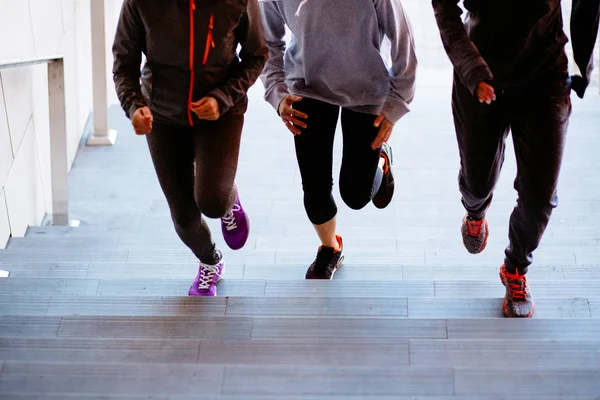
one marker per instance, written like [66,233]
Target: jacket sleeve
[584,32]
[396,26]
[273,76]
[128,46]
[463,53]
[253,55]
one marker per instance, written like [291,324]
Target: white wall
[37,28]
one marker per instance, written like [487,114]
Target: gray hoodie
[335,54]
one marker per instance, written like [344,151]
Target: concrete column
[101,135]
[59,168]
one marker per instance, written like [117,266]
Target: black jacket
[515,42]
[190,48]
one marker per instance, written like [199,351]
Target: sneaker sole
[337,267]
[383,205]
[507,313]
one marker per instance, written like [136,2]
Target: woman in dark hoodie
[190,105]
[511,73]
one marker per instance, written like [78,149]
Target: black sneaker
[384,195]
[518,302]
[328,261]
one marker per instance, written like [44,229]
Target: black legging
[359,176]
[196,168]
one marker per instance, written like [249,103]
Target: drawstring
[300,7]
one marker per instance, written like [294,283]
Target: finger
[207,115]
[199,102]
[289,110]
[384,134]
[388,135]
[378,142]
[295,131]
[490,93]
[297,113]
[295,121]
[141,129]
[200,108]
[380,118]
[294,99]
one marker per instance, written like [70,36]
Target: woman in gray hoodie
[334,60]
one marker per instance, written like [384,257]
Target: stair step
[100,350]
[197,327]
[188,351]
[131,379]
[237,270]
[466,289]
[270,235]
[377,307]
[81,396]
[235,380]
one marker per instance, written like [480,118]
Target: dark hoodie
[515,42]
[191,52]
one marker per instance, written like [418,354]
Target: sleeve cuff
[224,101]
[477,75]
[133,108]
[395,109]
[276,95]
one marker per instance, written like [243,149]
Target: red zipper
[191,93]
[209,39]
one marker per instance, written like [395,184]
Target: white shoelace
[207,274]
[300,7]
[229,220]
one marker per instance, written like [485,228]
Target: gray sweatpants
[196,168]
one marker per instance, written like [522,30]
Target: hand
[385,131]
[288,114]
[207,108]
[142,121]
[486,93]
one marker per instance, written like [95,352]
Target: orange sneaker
[518,302]
[475,233]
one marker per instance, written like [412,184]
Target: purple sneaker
[205,283]
[236,225]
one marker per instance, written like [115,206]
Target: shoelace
[207,275]
[229,220]
[323,258]
[517,287]
[474,227]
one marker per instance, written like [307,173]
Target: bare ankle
[332,243]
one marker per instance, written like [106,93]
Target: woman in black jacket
[511,73]
[190,105]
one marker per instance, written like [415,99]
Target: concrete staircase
[100,311]
[77,320]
